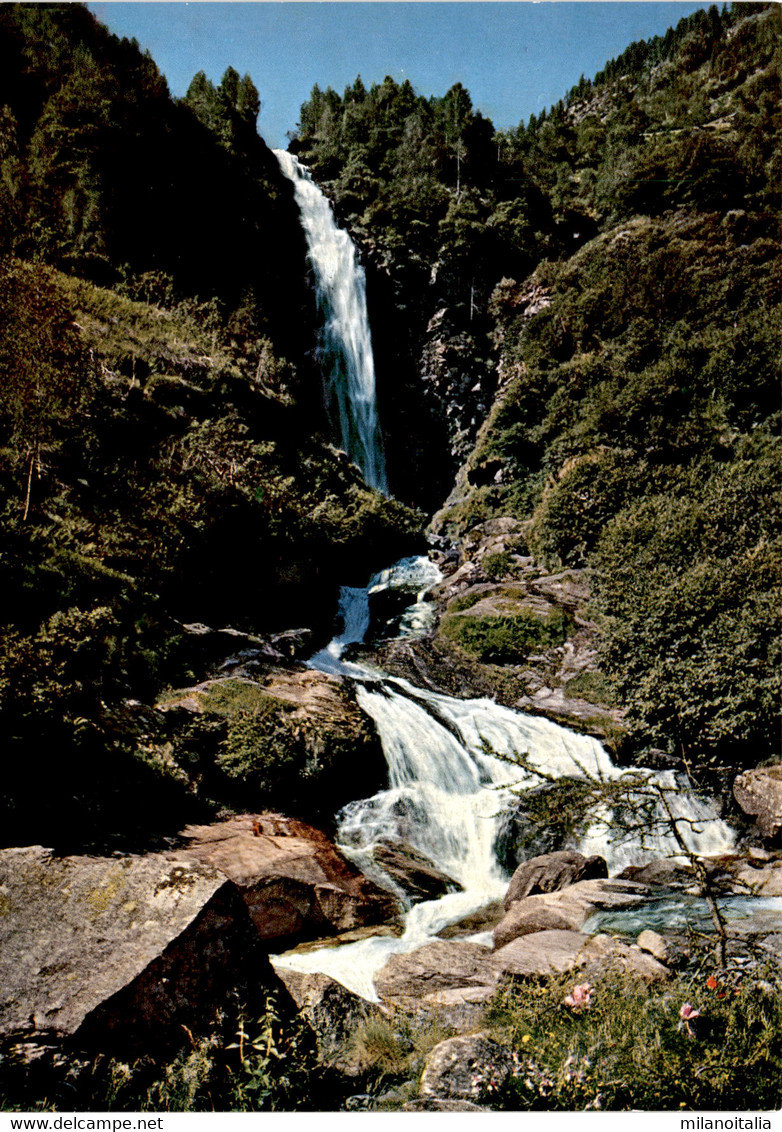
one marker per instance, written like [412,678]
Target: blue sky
[514,57]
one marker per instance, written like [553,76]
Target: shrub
[506,640]
[592,687]
[498,565]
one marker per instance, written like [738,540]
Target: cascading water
[450,762]
[344,342]
[448,791]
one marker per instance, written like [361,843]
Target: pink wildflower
[580,997]
[688,1014]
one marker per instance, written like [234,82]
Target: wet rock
[295,882]
[484,920]
[434,968]
[544,953]
[759,793]
[552,871]
[470,1068]
[334,1013]
[415,874]
[122,953]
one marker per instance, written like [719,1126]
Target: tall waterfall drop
[344,342]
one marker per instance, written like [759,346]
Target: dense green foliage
[152,474]
[246,1064]
[102,173]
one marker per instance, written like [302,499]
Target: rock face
[471,1068]
[413,872]
[333,1012]
[434,969]
[551,872]
[759,793]
[121,952]
[296,884]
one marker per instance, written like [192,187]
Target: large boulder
[759,793]
[603,952]
[121,953]
[552,871]
[567,909]
[432,969]
[541,954]
[415,874]
[531,915]
[470,1068]
[334,1013]
[296,884]
[759,878]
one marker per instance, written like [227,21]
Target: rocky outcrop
[268,737]
[296,884]
[121,953]
[456,379]
[551,872]
[759,793]
[334,1013]
[421,975]
[471,1068]
[413,871]
[495,576]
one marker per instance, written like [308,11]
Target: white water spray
[448,792]
[344,342]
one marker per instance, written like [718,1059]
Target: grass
[592,687]
[631,1050]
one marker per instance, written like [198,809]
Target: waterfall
[344,342]
[448,790]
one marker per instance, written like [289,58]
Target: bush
[592,687]
[498,565]
[506,640]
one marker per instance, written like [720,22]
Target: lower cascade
[451,781]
